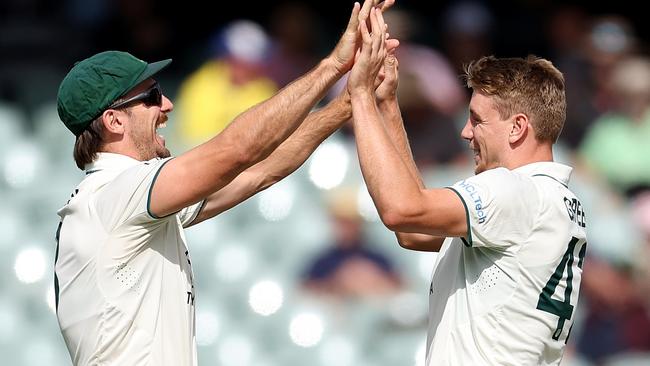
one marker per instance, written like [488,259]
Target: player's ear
[518,128]
[112,121]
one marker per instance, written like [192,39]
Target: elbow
[241,152]
[241,155]
[395,218]
[404,243]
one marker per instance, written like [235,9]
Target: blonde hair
[531,85]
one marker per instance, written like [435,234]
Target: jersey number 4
[563,309]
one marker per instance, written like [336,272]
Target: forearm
[264,126]
[389,181]
[293,152]
[394,123]
[290,155]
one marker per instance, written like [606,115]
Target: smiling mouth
[159,137]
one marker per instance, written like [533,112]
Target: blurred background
[305,273]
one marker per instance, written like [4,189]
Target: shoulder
[500,186]
[497,179]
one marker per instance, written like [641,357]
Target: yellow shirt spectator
[209,99]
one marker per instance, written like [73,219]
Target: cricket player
[511,239]
[123,277]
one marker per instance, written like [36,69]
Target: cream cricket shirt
[505,294]
[123,278]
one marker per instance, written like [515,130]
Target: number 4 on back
[563,309]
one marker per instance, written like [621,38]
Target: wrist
[344,97]
[361,92]
[388,103]
[334,66]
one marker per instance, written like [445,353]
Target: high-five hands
[370,57]
[388,77]
[345,50]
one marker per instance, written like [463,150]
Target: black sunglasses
[150,97]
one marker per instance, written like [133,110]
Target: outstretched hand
[345,50]
[388,79]
[370,56]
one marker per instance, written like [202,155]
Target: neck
[119,147]
[529,153]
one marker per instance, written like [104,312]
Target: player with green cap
[123,278]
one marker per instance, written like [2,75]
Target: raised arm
[290,155]
[386,94]
[254,134]
[403,203]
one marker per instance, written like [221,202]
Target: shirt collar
[557,171]
[110,161]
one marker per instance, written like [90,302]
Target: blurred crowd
[233,62]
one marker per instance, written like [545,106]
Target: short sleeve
[501,208]
[128,194]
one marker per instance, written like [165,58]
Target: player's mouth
[477,154]
[160,138]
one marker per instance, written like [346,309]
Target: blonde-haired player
[511,238]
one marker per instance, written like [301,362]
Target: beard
[146,148]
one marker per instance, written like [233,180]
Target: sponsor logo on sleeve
[474,195]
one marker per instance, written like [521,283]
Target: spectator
[617,146]
[227,84]
[350,268]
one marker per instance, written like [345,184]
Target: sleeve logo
[476,199]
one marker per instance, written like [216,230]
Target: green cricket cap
[93,84]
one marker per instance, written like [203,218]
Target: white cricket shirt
[123,278]
[506,293]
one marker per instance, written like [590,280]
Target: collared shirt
[505,293]
[123,278]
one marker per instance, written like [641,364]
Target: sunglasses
[150,97]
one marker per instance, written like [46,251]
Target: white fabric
[486,287]
[125,279]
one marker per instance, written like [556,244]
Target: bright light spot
[408,309]
[421,354]
[425,264]
[337,351]
[265,297]
[21,165]
[233,262]
[328,165]
[276,202]
[30,265]
[235,350]
[367,208]
[207,328]
[306,329]
[50,299]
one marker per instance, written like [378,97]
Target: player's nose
[467,133]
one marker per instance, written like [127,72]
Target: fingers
[385,5]
[382,23]
[378,32]
[365,10]
[365,33]
[391,45]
